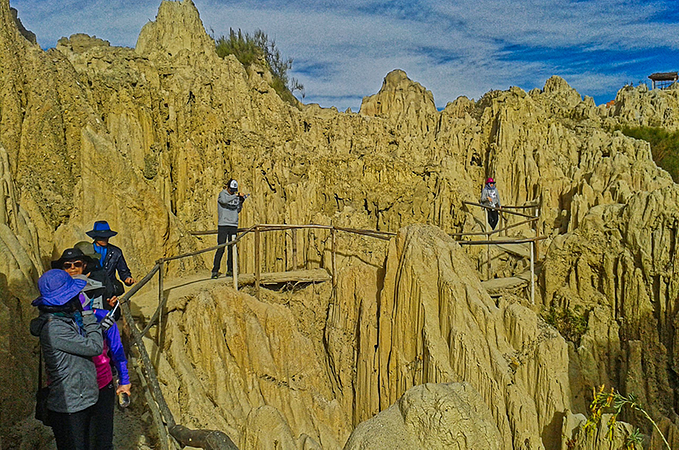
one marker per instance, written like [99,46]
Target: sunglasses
[76,264]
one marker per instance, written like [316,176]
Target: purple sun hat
[57,288]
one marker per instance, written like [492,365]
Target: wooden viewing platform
[496,287]
[152,306]
[145,303]
[663,80]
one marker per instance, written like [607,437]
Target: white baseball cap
[233,185]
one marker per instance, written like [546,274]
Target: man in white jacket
[229,204]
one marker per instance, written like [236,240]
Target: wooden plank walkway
[496,286]
[520,250]
[145,303]
[293,276]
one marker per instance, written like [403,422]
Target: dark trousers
[492,218]
[102,418]
[71,430]
[224,232]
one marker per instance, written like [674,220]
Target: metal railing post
[488,257]
[161,303]
[235,265]
[294,249]
[532,272]
[332,256]
[537,229]
[257,261]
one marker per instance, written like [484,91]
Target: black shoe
[215,275]
[229,273]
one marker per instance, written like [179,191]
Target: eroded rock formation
[146,137]
[434,416]
[431,322]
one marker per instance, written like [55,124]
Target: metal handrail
[208,439]
[218,440]
[533,241]
[209,249]
[535,205]
[488,233]
[502,209]
[504,242]
[281,227]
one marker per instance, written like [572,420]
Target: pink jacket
[103,365]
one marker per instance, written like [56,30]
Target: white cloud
[343,50]
[114,20]
[620,24]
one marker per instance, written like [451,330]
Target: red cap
[490,180]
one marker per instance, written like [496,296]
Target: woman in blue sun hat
[112,259]
[69,339]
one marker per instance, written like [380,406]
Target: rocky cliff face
[641,107]
[315,365]
[437,324]
[620,265]
[145,138]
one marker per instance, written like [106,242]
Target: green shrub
[664,146]
[572,324]
[243,46]
[613,403]
[257,48]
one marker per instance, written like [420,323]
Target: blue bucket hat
[57,288]
[101,230]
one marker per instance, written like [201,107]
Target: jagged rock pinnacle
[177,27]
[559,87]
[398,95]
[29,35]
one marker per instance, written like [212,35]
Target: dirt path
[129,427]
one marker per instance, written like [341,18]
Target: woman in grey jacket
[69,338]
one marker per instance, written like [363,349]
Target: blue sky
[343,49]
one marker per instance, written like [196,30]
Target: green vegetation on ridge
[571,324]
[257,48]
[664,146]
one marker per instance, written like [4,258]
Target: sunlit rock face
[435,416]
[146,137]
[315,365]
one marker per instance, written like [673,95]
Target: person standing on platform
[229,204]
[491,197]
